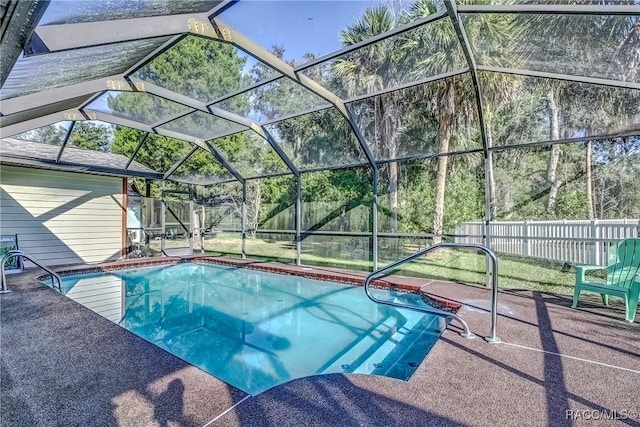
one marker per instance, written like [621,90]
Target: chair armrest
[582,269]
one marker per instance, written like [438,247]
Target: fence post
[595,256]
[527,242]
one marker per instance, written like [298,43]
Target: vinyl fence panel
[573,242]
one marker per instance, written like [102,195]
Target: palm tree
[372,71]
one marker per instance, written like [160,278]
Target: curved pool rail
[383,272]
[18,253]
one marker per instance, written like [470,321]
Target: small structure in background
[10,243]
[135,231]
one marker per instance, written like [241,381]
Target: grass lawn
[453,265]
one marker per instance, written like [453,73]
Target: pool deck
[62,365]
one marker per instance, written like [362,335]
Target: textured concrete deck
[61,364]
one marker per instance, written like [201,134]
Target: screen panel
[320,139]
[158,152]
[581,45]
[521,109]
[409,199]
[52,134]
[271,101]
[426,51]
[47,71]
[203,125]
[422,120]
[250,154]
[222,218]
[339,200]
[72,11]
[204,69]
[201,168]
[138,106]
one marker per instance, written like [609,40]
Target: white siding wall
[62,217]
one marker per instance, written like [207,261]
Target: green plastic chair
[623,278]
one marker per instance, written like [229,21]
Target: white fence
[574,242]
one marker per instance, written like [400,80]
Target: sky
[300,26]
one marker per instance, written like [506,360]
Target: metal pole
[244,219]
[203,227]
[374,239]
[298,220]
[492,338]
[191,214]
[488,199]
[163,215]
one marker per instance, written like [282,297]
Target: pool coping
[349,277]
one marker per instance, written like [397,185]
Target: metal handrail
[17,253]
[492,339]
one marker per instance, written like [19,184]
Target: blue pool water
[256,330]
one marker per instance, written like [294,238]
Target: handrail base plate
[491,340]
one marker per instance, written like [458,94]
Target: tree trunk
[444,136]
[590,201]
[388,144]
[552,170]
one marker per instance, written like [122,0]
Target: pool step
[404,359]
[396,339]
[404,349]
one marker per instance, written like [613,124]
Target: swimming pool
[256,330]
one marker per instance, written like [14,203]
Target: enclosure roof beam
[227,34]
[210,148]
[177,116]
[220,7]
[259,130]
[560,9]
[115,120]
[19,127]
[52,96]
[371,95]
[153,89]
[560,76]
[59,37]
[143,139]
[451,6]
[177,164]
[431,156]
[65,141]
[335,167]
[630,133]
[264,133]
[120,121]
[466,49]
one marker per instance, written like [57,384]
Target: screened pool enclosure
[342,133]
